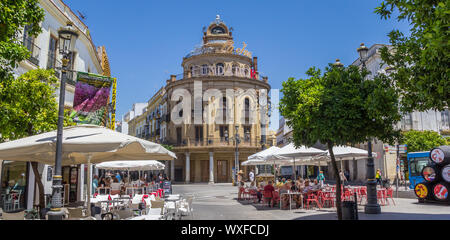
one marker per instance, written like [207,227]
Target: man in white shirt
[251,176]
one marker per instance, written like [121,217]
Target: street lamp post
[372,206]
[236,159]
[68,37]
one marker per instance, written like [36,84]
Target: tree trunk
[34,165]
[338,181]
[37,176]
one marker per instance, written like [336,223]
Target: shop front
[14,180]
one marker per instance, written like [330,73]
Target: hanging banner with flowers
[91,100]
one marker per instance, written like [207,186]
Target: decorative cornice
[221,79]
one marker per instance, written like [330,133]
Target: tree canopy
[340,107]
[14,16]
[418,141]
[421,60]
[29,105]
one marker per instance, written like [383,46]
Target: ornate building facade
[220,94]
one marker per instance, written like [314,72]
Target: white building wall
[86,60]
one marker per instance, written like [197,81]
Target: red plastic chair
[241,193]
[253,195]
[311,197]
[276,198]
[246,194]
[267,197]
[381,196]
[389,192]
[362,194]
[327,199]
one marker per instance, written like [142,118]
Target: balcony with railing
[71,75]
[35,51]
[200,50]
[216,142]
[213,71]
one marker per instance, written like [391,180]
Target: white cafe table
[147,217]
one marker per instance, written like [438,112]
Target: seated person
[316,185]
[115,186]
[300,185]
[308,188]
[268,192]
[285,198]
[108,182]
[298,199]
[259,192]
[241,189]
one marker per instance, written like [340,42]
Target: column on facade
[188,167]
[172,170]
[166,168]
[211,167]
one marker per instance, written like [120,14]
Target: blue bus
[416,162]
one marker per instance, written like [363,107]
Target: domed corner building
[230,94]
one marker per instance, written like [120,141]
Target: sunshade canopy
[99,143]
[253,162]
[142,165]
[348,153]
[291,155]
[298,152]
[264,153]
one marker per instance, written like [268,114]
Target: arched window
[224,109]
[246,109]
[205,69]
[246,72]
[235,69]
[220,68]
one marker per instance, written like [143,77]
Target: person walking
[378,178]
[240,177]
[342,177]
[118,176]
[94,184]
[321,178]
[251,176]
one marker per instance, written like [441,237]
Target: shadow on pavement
[382,216]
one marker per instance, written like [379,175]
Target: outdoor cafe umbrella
[290,154]
[141,165]
[83,144]
[343,153]
[259,157]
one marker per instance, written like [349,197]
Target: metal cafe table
[290,198]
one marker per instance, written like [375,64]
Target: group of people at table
[303,191]
[268,192]
[117,184]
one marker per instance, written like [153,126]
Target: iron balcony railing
[71,76]
[217,142]
[35,51]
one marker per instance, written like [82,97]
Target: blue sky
[146,40]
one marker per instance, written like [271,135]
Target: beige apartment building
[220,91]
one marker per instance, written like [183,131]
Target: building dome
[217,56]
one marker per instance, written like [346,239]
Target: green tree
[421,60]
[418,141]
[340,108]
[14,16]
[28,106]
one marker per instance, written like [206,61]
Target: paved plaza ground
[219,202]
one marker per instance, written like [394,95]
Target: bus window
[417,164]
